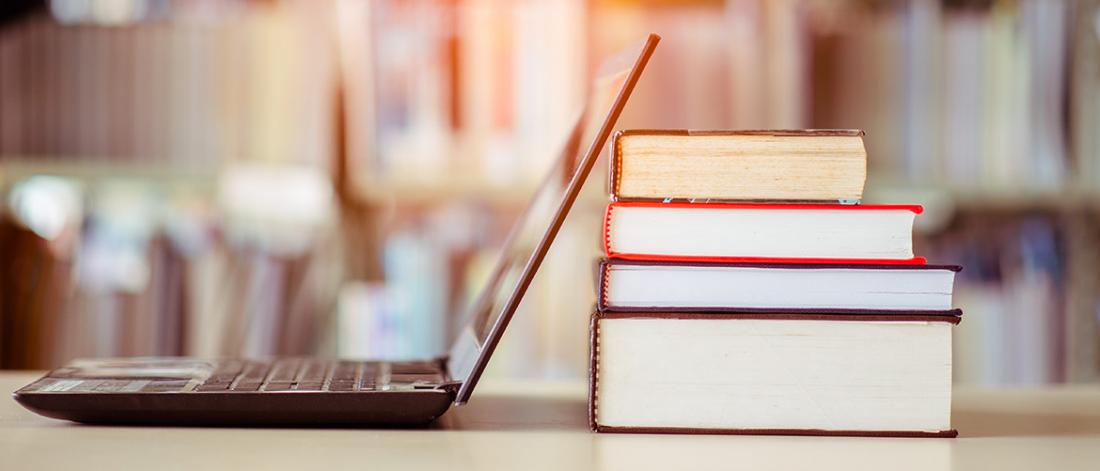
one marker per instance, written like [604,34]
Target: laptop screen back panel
[533,234]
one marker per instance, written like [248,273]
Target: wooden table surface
[537,425]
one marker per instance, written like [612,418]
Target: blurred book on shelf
[1084,96]
[212,82]
[1031,311]
[961,93]
[481,88]
[124,268]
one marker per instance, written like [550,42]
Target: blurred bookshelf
[18,168]
[332,177]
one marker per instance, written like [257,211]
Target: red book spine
[771,207]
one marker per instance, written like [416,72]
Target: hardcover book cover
[717,235]
[594,393]
[603,277]
[788,165]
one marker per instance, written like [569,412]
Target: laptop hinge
[450,386]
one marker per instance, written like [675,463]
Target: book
[783,233]
[639,285]
[806,165]
[771,373]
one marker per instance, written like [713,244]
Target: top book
[782,165]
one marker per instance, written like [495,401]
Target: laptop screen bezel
[467,342]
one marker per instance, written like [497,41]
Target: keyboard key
[345,371]
[284,371]
[110,385]
[279,386]
[313,372]
[164,386]
[367,378]
[86,385]
[212,387]
[341,386]
[311,386]
[222,378]
[247,386]
[226,372]
[254,372]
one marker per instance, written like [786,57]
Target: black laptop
[312,391]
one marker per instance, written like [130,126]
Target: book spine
[645,257]
[593,370]
[607,230]
[780,431]
[615,174]
[915,208]
[951,317]
[744,132]
[601,288]
[787,266]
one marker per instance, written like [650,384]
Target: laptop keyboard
[296,374]
[163,375]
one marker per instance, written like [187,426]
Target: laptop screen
[536,228]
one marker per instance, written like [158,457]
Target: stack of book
[746,290]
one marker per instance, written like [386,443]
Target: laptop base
[289,392]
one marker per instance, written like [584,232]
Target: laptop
[314,391]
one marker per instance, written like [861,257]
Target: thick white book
[805,374]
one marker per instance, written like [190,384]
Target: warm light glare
[102,12]
[46,205]
[278,207]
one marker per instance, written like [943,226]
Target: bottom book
[772,373]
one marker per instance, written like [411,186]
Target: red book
[761,233]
